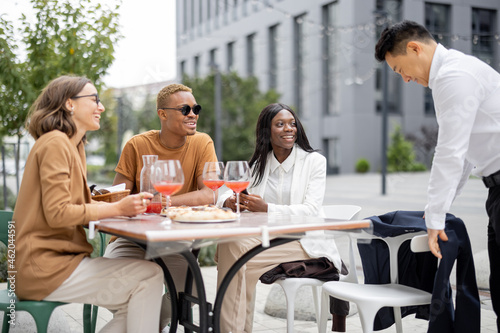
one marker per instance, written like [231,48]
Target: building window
[331,149]
[393,10]
[298,61]
[213,58]
[437,21]
[196,66]
[329,78]
[273,56]
[483,35]
[183,69]
[193,22]
[185,16]
[235,10]
[200,11]
[230,56]
[209,10]
[251,55]
[245,7]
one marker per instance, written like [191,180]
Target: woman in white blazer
[288,176]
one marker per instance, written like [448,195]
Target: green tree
[147,117]
[67,37]
[401,154]
[241,105]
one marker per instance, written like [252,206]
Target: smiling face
[412,66]
[173,121]
[86,111]
[283,131]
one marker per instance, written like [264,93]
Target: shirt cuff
[435,220]
[271,208]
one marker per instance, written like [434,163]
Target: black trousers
[493,210]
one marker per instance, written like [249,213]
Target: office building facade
[319,55]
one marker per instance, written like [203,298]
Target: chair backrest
[420,244]
[5,217]
[341,212]
[344,213]
[393,244]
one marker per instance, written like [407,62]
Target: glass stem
[238,204]
[214,198]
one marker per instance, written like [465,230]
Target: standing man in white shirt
[466,94]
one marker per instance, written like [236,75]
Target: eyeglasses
[97,100]
[186,109]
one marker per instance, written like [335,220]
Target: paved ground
[404,191]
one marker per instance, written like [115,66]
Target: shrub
[362,165]
[11,199]
[401,155]
[206,255]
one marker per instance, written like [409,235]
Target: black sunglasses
[97,100]
[186,109]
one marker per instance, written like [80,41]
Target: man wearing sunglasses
[176,140]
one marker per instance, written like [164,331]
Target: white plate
[205,221]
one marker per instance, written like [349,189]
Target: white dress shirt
[279,183]
[466,94]
[305,197]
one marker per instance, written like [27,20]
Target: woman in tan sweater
[54,203]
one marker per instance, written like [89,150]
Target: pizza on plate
[199,213]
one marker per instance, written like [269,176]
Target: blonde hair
[166,92]
[49,111]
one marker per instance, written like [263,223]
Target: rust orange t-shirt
[198,149]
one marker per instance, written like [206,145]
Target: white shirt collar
[437,61]
[287,164]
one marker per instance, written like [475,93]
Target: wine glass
[213,176]
[168,178]
[237,178]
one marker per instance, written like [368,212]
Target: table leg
[186,299]
[169,281]
[232,272]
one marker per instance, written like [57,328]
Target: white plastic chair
[291,285]
[370,298]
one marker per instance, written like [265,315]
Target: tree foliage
[401,154]
[242,102]
[66,37]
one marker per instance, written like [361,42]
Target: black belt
[492,180]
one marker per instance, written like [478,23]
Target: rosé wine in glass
[213,176]
[168,179]
[237,178]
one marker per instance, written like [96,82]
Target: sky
[147,51]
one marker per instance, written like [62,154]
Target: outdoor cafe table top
[148,228]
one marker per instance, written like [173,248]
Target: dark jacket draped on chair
[420,270]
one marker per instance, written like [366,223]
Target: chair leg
[290,292]
[367,316]
[323,319]
[95,309]
[87,318]
[5,324]
[42,320]
[316,303]
[398,320]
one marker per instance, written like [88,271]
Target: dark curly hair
[395,38]
[263,138]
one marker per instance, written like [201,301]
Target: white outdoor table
[160,239]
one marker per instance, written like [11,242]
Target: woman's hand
[252,203]
[134,204]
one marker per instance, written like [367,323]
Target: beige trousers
[176,264]
[239,300]
[130,288]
